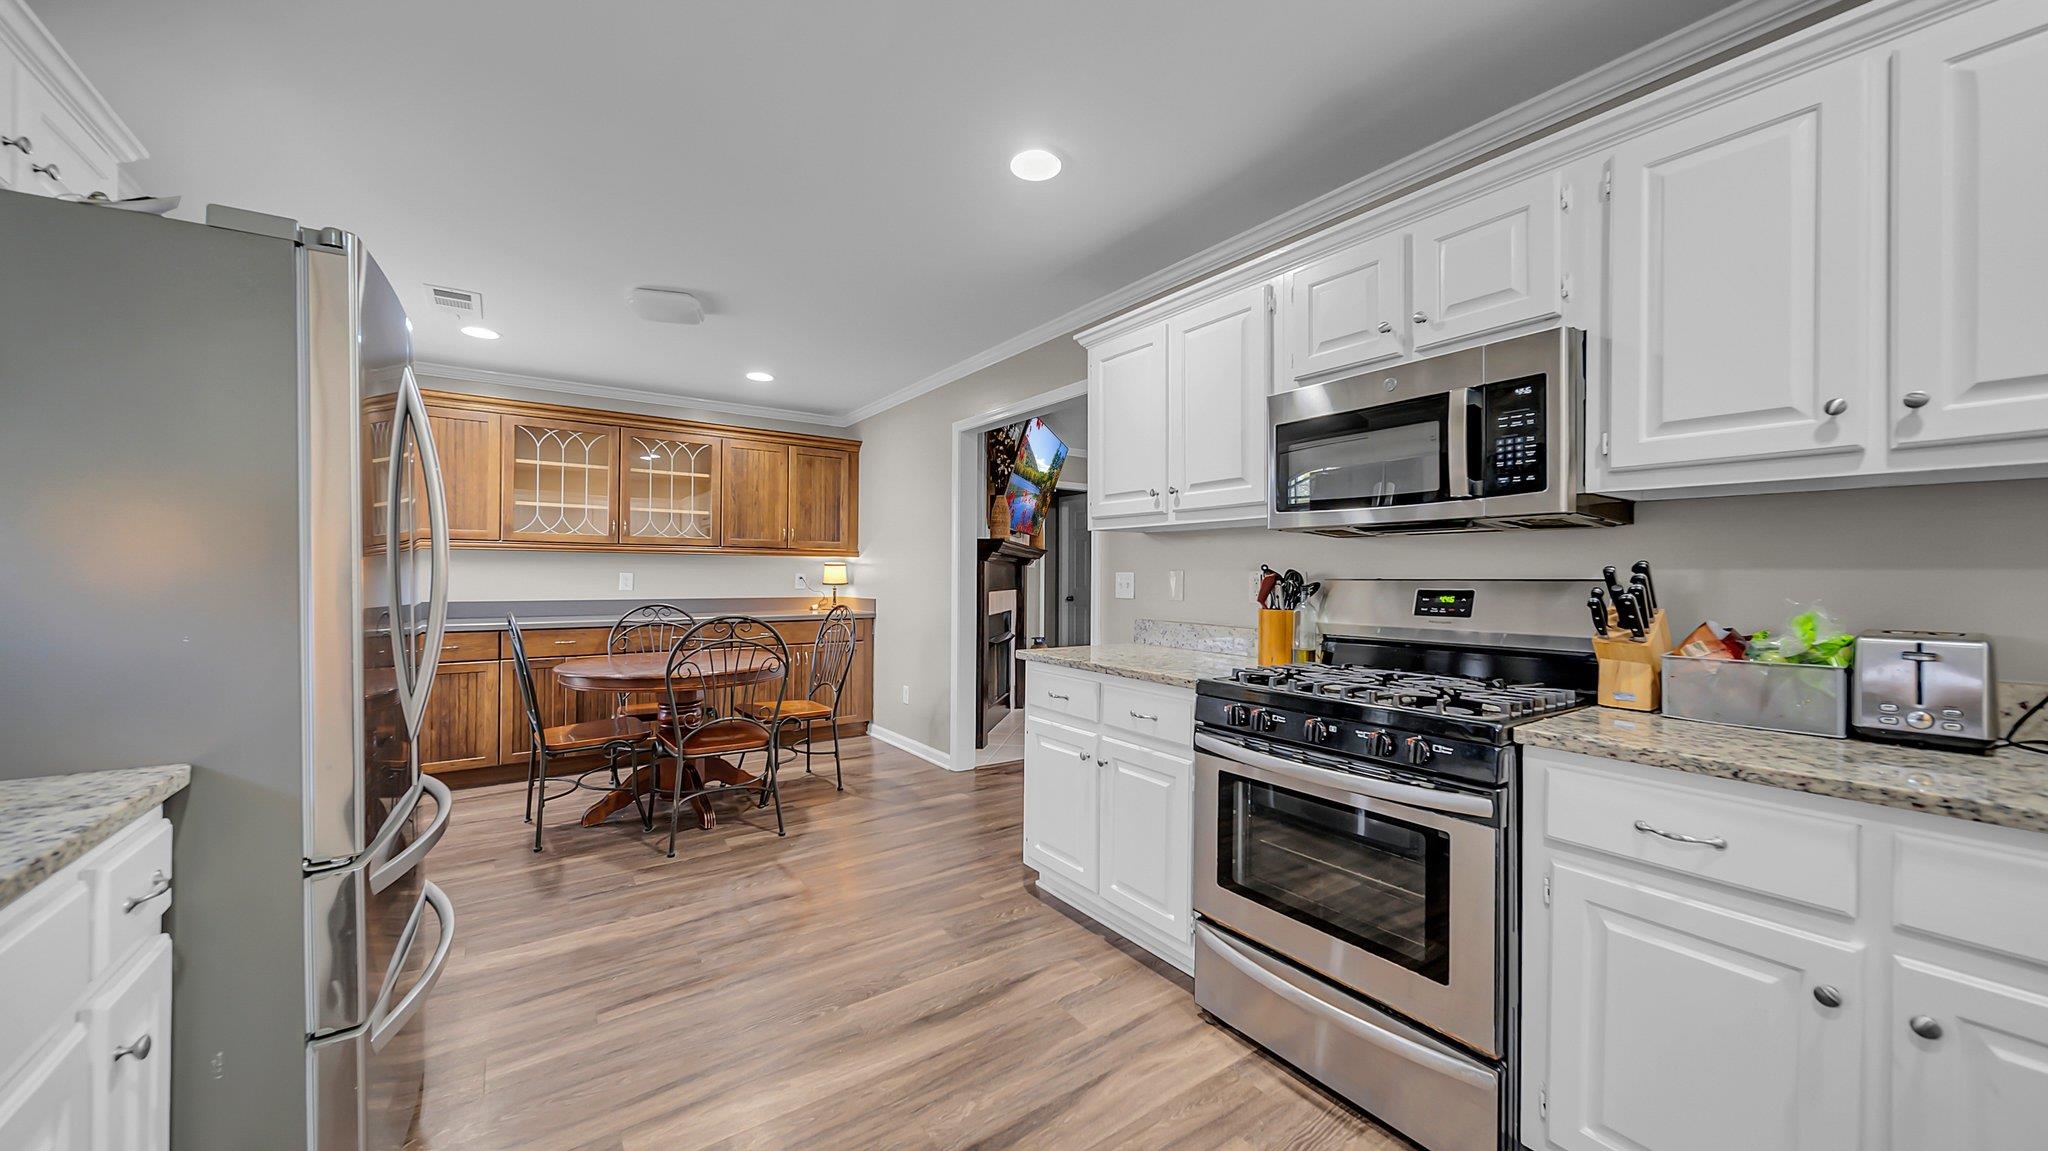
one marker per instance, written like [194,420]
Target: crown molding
[555,384]
[1729,28]
[46,60]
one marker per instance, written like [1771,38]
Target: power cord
[2037,746]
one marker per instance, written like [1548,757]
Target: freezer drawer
[363,1085]
[358,917]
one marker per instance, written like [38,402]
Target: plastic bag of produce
[1810,635]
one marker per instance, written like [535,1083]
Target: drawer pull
[564,642]
[159,886]
[1713,841]
[1142,715]
[1055,695]
[139,1049]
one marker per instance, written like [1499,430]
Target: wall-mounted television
[1033,477]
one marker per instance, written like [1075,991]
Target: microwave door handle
[1457,444]
[1425,798]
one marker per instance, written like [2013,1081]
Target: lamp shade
[835,575]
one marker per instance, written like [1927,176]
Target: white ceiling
[831,178]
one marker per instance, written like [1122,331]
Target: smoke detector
[665,305]
[461,303]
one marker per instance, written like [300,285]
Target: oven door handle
[1402,1046]
[1402,793]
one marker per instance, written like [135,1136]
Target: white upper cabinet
[1217,357]
[10,141]
[58,137]
[1127,424]
[1349,308]
[1971,238]
[1746,289]
[1489,264]
[1969,1061]
[66,160]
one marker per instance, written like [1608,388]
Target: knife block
[1629,668]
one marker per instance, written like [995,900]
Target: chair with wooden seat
[721,675]
[831,660]
[651,627]
[619,736]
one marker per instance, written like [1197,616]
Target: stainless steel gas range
[1355,844]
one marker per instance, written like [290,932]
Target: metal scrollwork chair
[615,737]
[831,660]
[727,670]
[648,628]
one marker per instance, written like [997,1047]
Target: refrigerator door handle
[415,684]
[401,1014]
[383,874]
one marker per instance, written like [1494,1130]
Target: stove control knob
[1238,715]
[1270,720]
[1419,751]
[1318,730]
[1379,743]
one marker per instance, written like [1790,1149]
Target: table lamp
[835,578]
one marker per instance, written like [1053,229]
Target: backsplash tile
[1210,637]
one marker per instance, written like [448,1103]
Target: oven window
[1375,457]
[1371,881]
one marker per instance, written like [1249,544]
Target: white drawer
[1160,715]
[1972,894]
[45,963]
[1794,855]
[129,878]
[1057,691]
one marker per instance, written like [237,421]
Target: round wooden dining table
[649,671]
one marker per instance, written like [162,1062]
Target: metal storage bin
[1805,699]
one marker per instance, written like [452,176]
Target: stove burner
[1459,696]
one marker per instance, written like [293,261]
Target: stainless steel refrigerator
[226,544]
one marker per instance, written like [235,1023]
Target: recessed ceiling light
[479,331]
[761,377]
[1034,164]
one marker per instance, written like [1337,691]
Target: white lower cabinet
[85,996]
[1109,805]
[1687,1025]
[1672,1002]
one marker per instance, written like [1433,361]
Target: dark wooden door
[756,485]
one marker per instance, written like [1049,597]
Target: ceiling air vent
[458,302]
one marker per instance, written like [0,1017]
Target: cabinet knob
[49,170]
[26,145]
[1421,317]
[1915,399]
[139,1049]
[1386,326]
[1836,406]
[1827,996]
[1153,492]
[1925,1026]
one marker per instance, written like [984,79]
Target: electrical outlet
[800,584]
[906,693]
[625,581]
[1126,585]
[1173,585]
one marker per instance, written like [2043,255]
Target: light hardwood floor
[885,977]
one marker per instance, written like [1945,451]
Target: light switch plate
[906,693]
[1126,585]
[625,581]
[1173,585]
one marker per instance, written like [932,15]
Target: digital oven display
[1454,603]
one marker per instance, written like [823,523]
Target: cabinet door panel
[468,445]
[73,163]
[668,488]
[821,499]
[1147,815]
[461,725]
[756,493]
[47,1106]
[1983,1083]
[1744,283]
[1217,356]
[132,1095]
[1681,1026]
[558,481]
[1127,425]
[1489,264]
[1349,308]
[1061,787]
[558,706]
[1972,239]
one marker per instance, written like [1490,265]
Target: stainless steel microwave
[1477,440]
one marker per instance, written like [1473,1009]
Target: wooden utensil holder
[1276,636]
[1629,667]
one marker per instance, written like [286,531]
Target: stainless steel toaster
[1934,688]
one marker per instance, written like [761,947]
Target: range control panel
[1450,603]
[1512,442]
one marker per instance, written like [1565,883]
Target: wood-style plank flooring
[885,977]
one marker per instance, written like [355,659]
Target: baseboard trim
[923,751]
[1181,955]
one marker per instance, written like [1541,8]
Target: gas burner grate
[1419,692]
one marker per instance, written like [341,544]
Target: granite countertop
[1173,666]
[48,821]
[2008,787]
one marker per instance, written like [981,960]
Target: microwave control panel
[1513,451]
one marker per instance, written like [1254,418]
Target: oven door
[1383,887]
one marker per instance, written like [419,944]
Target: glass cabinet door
[668,488]
[559,481]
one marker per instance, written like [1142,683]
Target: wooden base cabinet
[1833,975]
[1109,812]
